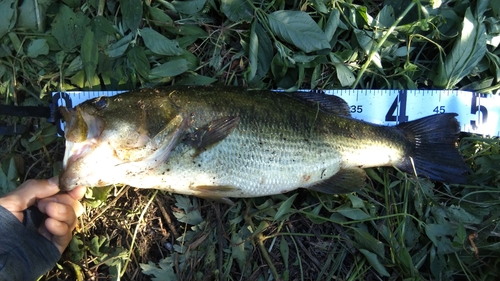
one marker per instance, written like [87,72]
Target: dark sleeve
[24,253]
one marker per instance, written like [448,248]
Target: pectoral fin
[212,132]
[345,181]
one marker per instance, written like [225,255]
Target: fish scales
[274,148]
[278,145]
[228,142]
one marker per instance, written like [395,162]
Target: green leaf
[14,39]
[164,273]
[494,65]
[139,61]
[190,215]
[284,208]
[159,15]
[238,247]
[96,244]
[32,14]
[481,7]
[97,195]
[459,214]
[374,261]
[118,48]
[468,50]
[12,174]
[368,242]
[7,16]
[76,248]
[355,201]
[253,52]
[320,6]
[365,39]
[189,7]
[69,28]
[37,47]
[440,78]
[89,55]
[344,74]
[192,61]
[169,69]
[5,185]
[196,80]
[3,69]
[103,31]
[285,251]
[352,213]
[237,10]
[265,52]
[298,28]
[187,30]
[160,44]
[495,7]
[461,233]
[385,18]
[440,235]
[131,13]
[360,15]
[406,261]
[332,24]
[73,4]
[74,66]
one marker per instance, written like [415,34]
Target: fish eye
[101,103]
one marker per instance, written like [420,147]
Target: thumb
[28,192]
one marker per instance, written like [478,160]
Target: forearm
[24,253]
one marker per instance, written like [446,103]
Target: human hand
[61,209]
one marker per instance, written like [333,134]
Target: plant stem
[141,217]
[380,43]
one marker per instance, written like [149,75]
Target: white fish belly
[244,166]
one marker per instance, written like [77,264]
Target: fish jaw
[89,165]
[82,136]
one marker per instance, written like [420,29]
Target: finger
[27,193]
[62,240]
[42,229]
[64,199]
[61,212]
[78,192]
[56,227]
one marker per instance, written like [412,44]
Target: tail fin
[434,151]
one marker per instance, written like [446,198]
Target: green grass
[397,228]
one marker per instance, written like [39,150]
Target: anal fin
[344,181]
[214,193]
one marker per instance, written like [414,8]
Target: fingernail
[54,181]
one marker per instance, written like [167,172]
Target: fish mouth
[82,134]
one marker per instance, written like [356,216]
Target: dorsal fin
[327,103]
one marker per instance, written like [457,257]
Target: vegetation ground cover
[397,228]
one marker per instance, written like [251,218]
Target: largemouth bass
[219,142]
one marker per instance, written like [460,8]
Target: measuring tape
[477,113]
